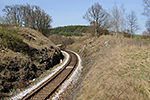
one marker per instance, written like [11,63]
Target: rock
[29,75]
[2,95]
[7,86]
[48,65]
[3,51]
[60,60]
[18,90]
[2,67]
[41,61]
[1,88]
[51,47]
[106,43]
[43,49]
[39,72]
[11,77]
[33,67]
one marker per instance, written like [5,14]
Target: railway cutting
[47,89]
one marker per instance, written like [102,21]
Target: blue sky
[70,12]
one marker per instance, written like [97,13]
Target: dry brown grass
[59,39]
[34,38]
[121,70]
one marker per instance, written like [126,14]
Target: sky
[70,12]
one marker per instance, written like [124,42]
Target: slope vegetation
[114,69]
[24,55]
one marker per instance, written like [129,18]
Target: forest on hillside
[69,30]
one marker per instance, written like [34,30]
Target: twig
[111,97]
[122,93]
[119,94]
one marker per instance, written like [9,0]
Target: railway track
[49,87]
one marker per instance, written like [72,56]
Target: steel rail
[61,81]
[51,79]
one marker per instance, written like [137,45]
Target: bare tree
[146,33]
[116,18]
[123,20]
[148,25]
[2,20]
[43,21]
[146,13]
[132,22]
[97,16]
[28,16]
[146,8]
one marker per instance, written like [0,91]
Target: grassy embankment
[120,69]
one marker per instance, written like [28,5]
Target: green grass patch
[10,39]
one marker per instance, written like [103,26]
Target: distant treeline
[69,30]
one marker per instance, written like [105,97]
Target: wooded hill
[69,30]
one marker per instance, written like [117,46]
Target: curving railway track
[47,89]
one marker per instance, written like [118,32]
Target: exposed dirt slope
[24,55]
[114,68]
